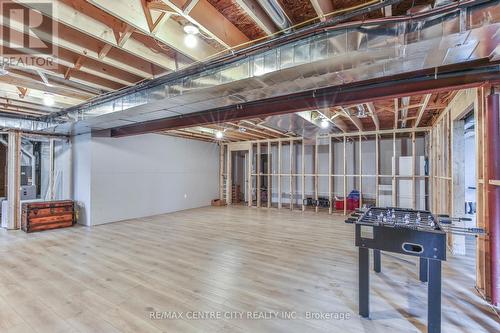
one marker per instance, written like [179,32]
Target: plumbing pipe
[493,173]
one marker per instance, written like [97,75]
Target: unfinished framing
[276,173]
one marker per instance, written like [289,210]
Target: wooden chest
[38,216]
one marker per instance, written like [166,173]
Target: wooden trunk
[38,216]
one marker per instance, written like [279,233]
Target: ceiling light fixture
[191,29]
[48,99]
[324,123]
[219,135]
[191,41]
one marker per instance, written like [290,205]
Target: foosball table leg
[364,282]
[424,263]
[434,297]
[376,261]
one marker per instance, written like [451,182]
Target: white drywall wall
[82,176]
[150,174]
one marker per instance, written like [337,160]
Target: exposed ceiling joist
[258,15]
[26,105]
[334,119]
[249,131]
[137,13]
[264,127]
[21,110]
[31,81]
[69,42]
[10,94]
[211,22]
[355,120]
[77,19]
[422,109]
[188,6]
[322,7]
[373,114]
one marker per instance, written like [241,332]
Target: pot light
[191,29]
[191,41]
[324,124]
[48,99]
[219,135]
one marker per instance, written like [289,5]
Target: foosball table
[405,231]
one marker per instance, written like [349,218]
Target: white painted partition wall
[143,175]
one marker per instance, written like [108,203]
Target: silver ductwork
[25,124]
[343,54]
[405,102]
[440,3]
[276,13]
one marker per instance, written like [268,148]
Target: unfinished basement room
[242,166]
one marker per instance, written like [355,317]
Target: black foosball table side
[428,245]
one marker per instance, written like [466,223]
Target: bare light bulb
[219,135]
[48,100]
[191,41]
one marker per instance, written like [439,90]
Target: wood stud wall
[483,272]
[442,181]
[255,172]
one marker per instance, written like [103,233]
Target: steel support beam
[326,97]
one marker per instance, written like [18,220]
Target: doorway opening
[239,177]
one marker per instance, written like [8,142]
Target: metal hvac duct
[276,13]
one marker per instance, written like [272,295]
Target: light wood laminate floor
[230,261]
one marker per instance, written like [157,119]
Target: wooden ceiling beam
[31,81]
[355,120]
[227,133]
[322,7]
[92,73]
[71,14]
[31,111]
[65,43]
[211,22]
[27,105]
[136,13]
[18,111]
[10,94]
[267,128]
[422,109]
[258,15]
[258,134]
[187,135]
[373,113]
[333,116]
